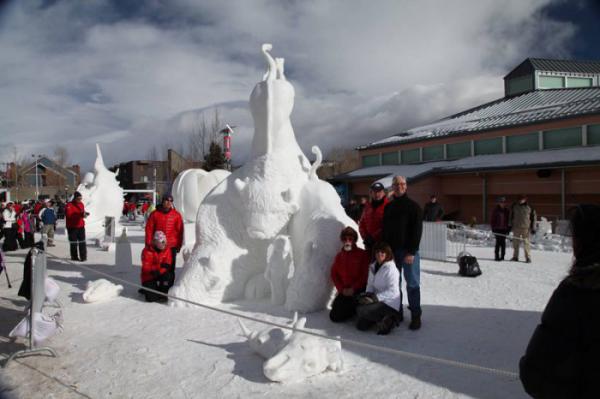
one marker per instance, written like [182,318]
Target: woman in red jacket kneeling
[156,268]
[349,274]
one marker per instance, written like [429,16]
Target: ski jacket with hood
[350,269]
[169,223]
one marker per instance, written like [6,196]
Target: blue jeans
[412,275]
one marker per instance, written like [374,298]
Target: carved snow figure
[101,290]
[101,195]
[267,343]
[249,211]
[279,265]
[304,356]
[191,186]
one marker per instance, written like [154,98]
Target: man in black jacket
[402,228]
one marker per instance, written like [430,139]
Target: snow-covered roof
[538,159]
[532,107]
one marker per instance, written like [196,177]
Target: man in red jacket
[371,222]
[166,219]
[74,215]
[156,265]
[349,273]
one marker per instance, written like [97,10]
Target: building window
[488,146]
[519,85]
[458,150]
[561,138]
[411,156]
[370,160]
[522,143]
[593,135]
[433,153]
[551,82]
[579,82]
[389,158]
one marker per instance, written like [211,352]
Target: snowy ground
[127,348]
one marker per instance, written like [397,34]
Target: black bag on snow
[468,265]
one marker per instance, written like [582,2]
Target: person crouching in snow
[349,274]
[156,268]
[380,303]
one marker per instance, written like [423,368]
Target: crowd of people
[20,220]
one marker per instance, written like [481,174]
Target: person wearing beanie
[156,268]
[166,219]
[9,216]
[500,228]
[371,221]
[349,274]
[522,222]
[75,215]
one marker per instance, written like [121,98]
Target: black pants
[10,239]
[342,308]
[500,247]
[27,240]
[173,260]
[372,313]
[157,285]
[77,240]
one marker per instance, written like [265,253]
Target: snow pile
[256,207]
[101,195]
[44,327]
[101,290]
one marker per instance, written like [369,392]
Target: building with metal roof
[540,139]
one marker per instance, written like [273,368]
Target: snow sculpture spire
[99,164]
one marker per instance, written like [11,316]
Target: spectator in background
[561,360]
[371,221]
[353,210]
[499,224]
[10,228]
[349,274]
[75,220]
[402,228]
[522,222]
[433,211]
[48,218]
[166,219]
[26,222]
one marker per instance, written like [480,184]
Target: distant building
[541,139]
[53,180]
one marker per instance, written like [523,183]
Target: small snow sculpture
[101,195]
[101,290]
[44,327]
[267,343]
[242,221]
[51,289]
[304,356]
[191,186]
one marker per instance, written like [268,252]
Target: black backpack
[468,265]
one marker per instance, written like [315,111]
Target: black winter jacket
[563,355]
[403,224]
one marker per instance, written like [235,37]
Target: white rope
[344,341]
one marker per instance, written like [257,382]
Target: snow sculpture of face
[303,356]
[269,209]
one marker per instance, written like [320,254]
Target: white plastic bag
[44,327]
[51,288]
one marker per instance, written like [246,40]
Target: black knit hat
[77,194]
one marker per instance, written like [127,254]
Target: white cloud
[75,72]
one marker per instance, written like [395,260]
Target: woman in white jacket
[380,303]
[10,228]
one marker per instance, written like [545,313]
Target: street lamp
[37,157]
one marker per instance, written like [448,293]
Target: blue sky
[136,74]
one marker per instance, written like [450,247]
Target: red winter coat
[145,207]
[169,223]
[350,269]
[371,221]
[74,214]
[152,261]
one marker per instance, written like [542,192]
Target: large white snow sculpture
[191,186]
[101,195]
[251,210]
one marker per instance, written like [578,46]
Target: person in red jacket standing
[75,214]
[371,222]
[156,266]
[166,219]
[349,274]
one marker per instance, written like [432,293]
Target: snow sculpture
[191,186]
[101,195]
[44,327]
[101,290]
[291,355]
[279,265]
[304,356]
[245,218]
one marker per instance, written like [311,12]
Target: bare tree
[61,155]
[203,135]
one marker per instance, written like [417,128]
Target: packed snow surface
[127,348]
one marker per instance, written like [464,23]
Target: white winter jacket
[9,217]
[385,283]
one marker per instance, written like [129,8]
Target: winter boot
[415,323]
[385,325]
[528,260]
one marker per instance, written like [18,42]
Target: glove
[367,298]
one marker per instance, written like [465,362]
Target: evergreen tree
[215,159]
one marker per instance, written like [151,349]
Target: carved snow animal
[101,195]
[268,342]
[304,356]
[191,186]
[242,214]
